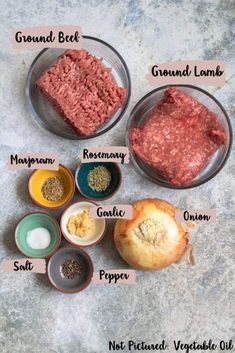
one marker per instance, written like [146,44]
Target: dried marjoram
[53,189]
[71,268]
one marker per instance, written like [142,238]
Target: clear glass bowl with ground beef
[179,136]
[79,94]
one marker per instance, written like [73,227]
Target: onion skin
[144,256]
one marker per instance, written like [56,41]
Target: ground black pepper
[71,268]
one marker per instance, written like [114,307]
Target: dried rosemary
[99,178]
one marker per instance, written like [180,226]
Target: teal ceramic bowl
[81,179]
[30,222]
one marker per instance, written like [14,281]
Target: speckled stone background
[180,302]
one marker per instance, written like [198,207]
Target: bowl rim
[87,282]
[58,231]
[52,207]
[45,127]
[83,245]
[101,198]
[171,186]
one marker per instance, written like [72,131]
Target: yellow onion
[153,239]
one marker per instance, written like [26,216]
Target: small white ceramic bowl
[95,236]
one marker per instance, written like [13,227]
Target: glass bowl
[140,113]
[43,112]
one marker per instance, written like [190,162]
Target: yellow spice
[81,224]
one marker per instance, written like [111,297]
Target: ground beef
[82,90]
[178,138]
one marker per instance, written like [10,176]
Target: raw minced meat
[178,138]
[82,90]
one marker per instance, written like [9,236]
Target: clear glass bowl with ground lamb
[79,94]
[179,136]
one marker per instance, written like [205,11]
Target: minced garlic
[81,224]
